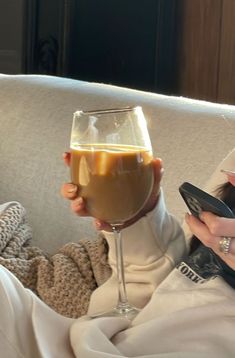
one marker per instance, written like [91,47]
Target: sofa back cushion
[35,122]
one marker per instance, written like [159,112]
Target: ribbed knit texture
[65,280]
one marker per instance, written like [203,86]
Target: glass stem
[122,296]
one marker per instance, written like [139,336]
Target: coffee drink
[114,180]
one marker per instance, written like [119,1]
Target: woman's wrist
[151,204]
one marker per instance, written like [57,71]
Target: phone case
[198,200]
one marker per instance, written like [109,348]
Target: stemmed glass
[111,162]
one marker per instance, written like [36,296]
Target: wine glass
[111,162]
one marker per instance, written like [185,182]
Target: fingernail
[78,202]
[72,188]
[201,216]
[226,171]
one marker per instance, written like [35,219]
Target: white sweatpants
[28,327]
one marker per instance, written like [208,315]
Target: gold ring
[224,245]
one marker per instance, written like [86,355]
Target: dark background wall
[177,47]
[206,49]
[119,43]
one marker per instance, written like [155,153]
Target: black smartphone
[198,200]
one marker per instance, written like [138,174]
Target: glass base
[125,311]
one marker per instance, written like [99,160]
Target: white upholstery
[35,121]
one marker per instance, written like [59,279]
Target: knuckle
[214,226]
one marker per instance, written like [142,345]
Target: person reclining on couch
[184,314]
[171,251]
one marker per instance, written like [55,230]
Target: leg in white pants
[28,327]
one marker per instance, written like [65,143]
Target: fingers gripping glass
[111,162]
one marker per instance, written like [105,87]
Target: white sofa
[35,121]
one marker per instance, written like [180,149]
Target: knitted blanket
[65,280]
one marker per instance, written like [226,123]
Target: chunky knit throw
[65,280]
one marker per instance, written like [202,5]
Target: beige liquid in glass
[114,180]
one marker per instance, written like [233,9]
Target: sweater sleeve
[218,178]
[151,248]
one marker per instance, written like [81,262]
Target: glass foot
[126,311]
